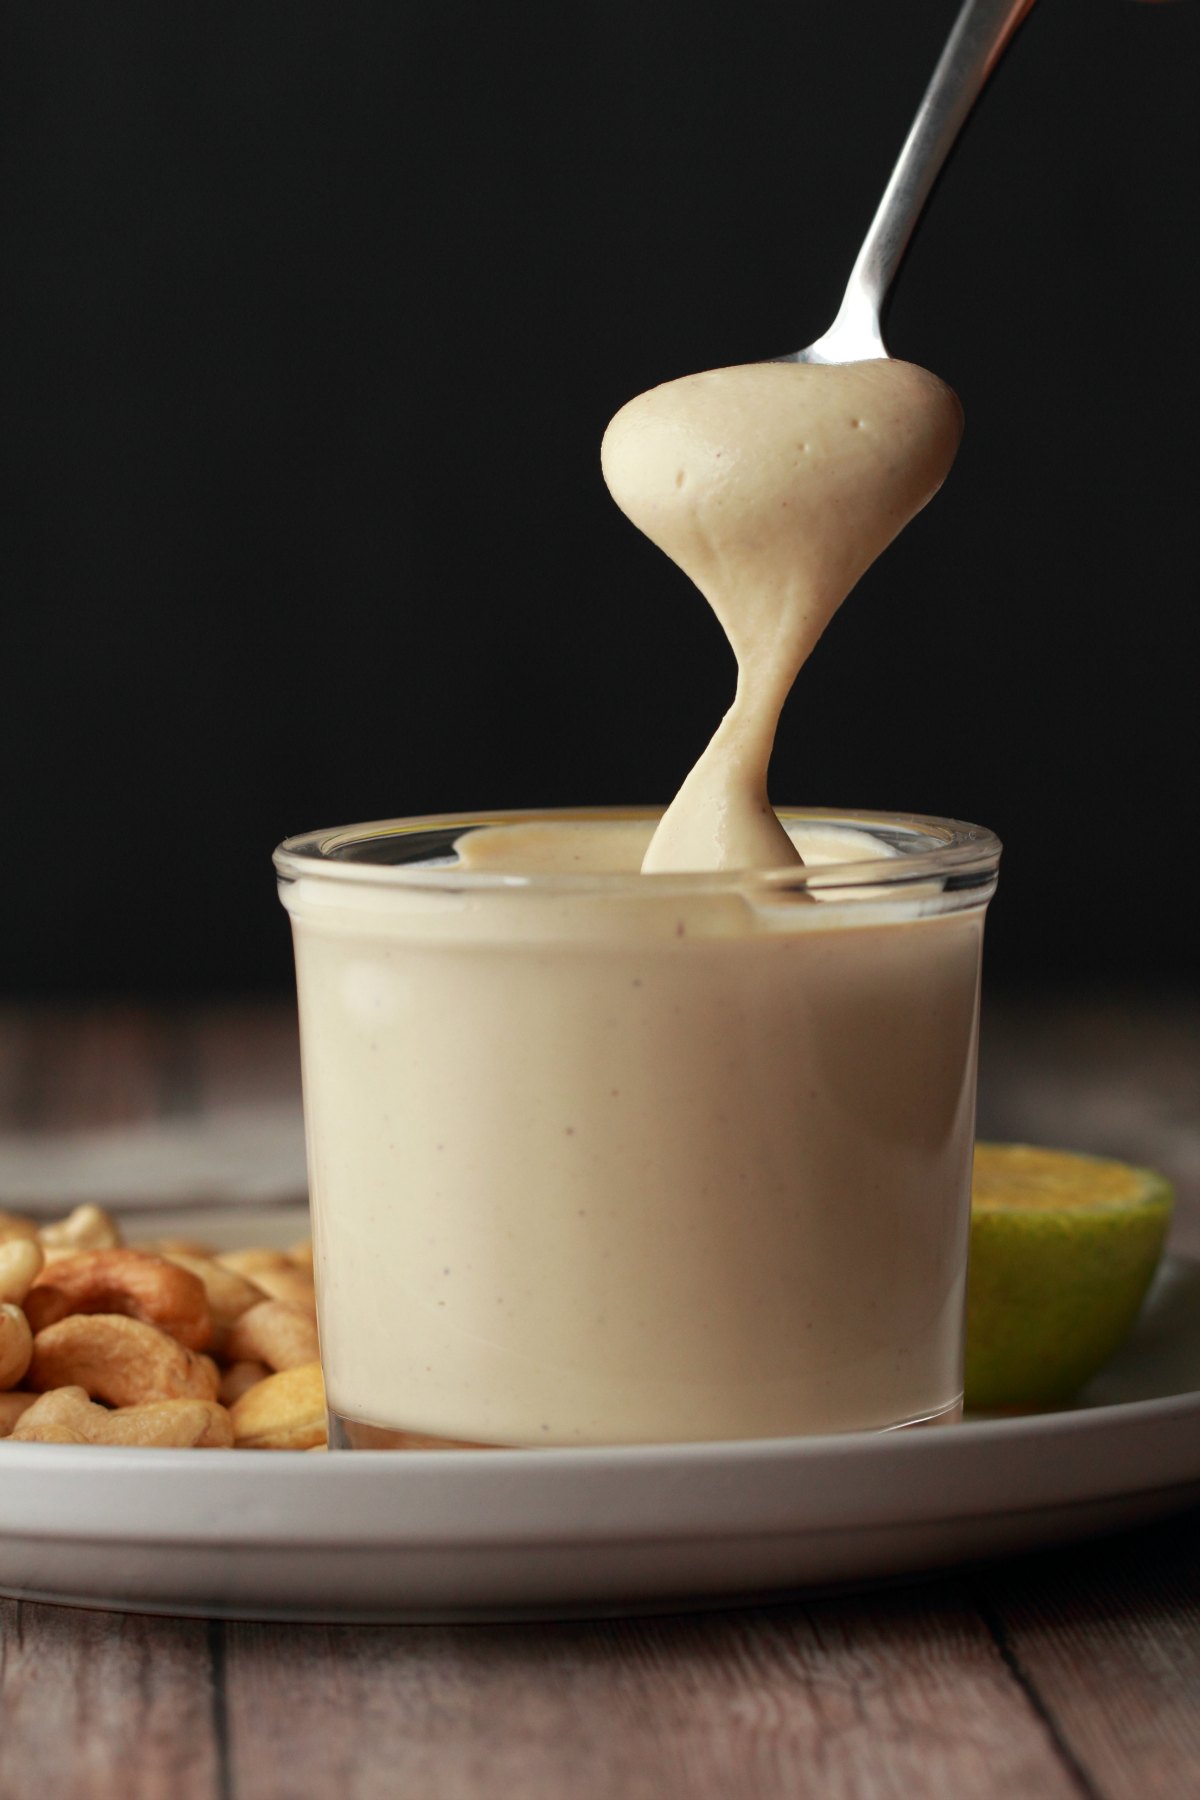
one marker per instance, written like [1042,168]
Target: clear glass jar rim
[961,850]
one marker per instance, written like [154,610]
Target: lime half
[1063,1248]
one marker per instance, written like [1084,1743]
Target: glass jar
[604,1157]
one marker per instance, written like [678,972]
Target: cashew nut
[229,1295]
[172,1246]
[13,1226]
[238,1378]
[11,1407]
[284,1412]
[85,1320]
[250,1262]
[123,1281]
[67,1416]
[118,1359]
[16,1345]
[276,1333]
[289,1283]
[20,1260]
[87,1228]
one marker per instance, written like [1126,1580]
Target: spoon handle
[980,34]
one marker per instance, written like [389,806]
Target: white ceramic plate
[454,1535]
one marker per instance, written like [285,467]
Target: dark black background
[312,313]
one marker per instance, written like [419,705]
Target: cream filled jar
[598,1156]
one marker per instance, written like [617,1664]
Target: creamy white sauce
[774,486]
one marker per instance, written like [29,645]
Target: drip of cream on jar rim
[774,486]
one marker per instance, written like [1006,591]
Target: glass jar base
[356,1434]
[945,1415]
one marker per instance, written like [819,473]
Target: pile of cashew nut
[170,1343]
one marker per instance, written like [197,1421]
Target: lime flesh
[1063,1249]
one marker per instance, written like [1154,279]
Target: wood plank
[95,1704]
[83,1068]
[900,1697]
[245,1054]
[1109,1637]
[128,1106]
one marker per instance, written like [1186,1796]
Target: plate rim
[595,1497]
[450,1499]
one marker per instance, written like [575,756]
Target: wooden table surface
[1075,1673]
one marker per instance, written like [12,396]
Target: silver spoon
[981,33]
